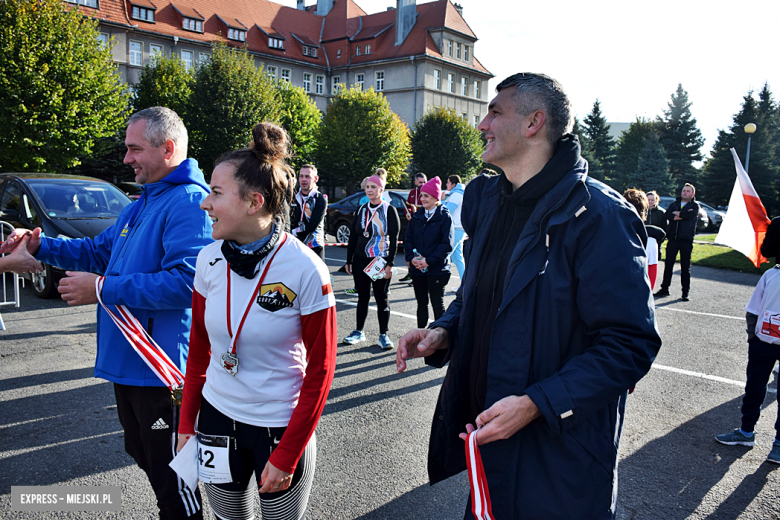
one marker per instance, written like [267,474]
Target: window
[203,57]
[136,53]
[285,75]
[476,88]
[338,53]
[191,24]
[320,85]
[466,52]
[379,84]
[457,50]
[103,39]
[357,51]
[142,13]
[88,3]
[306,82]
[359,80]
[275,43]
[449,47]
[368,48]
[155,50]
[451,83]
[476,120]
[236,34]
[313,52]
[271,71]
[464,86]
[186,57]
[465,116]
[336,82]
[437,79]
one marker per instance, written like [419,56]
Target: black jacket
[432,238]
[657,217]
[684,229]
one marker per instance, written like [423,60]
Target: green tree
[166,82]
[299,115]
[681,138]
[360,133]
[587,152]
[597,130]
[652,170]
[59,88]
[229,97]
[630,147]
[445,144]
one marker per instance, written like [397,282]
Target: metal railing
[10,281]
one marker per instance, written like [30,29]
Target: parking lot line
[741,318]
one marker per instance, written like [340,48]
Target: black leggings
[429,286]
[363,286]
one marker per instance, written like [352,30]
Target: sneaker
[685,298]
[350,291]
[662,293]
[357,336]
[407,278]
[738,438]
[384,342]
[774,455]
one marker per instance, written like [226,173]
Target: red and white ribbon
[480,497]
[154,356]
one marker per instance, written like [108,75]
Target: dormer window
[143,11]
[236,31]
[275,43]
[368,48]
[338,53]
[313,52]
[192,24]
[357,51]
[236,35]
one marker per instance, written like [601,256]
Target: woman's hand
[183,438]
[388,272]
[274,480]
[420,263]
[348,268]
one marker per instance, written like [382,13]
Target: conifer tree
[652,171]
[629,148]
[681,138]
[586,151]
[597,130]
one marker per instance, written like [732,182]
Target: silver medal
[230,363]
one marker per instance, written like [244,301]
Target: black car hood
[82,227]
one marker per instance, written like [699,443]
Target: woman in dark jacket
[428,244]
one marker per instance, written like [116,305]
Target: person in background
[308,210]
[260,381]
[655,235]
[427,246]
[373,235]
[656,215]
[412,205]
[681,215]
[454,204]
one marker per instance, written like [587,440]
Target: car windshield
[72,199]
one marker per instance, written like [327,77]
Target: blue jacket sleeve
[616,307]
[187,230]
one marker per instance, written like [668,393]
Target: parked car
[131,189]
[340,214]
[716,216]
[703,222]
[66,206]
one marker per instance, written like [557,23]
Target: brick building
[418,56]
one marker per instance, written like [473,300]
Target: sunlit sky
[629,54]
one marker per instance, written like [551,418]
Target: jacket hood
[187,172]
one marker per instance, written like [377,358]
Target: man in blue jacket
[552,324]
[148,258]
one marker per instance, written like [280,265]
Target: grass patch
[707,238]
[721,257]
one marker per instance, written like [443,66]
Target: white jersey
[652,251]
[765,303]
[270,350]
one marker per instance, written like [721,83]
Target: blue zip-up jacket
[148,257]
[575,329]
[432,238]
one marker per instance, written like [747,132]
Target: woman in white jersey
[263,341]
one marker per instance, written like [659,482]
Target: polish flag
[745,224]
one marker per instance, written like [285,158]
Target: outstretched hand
[420,343]
[19,260]
[16,237]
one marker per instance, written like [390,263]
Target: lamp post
[749,129]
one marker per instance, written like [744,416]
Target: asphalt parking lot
[58,424]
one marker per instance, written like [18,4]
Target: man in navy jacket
[552,324]
[148,258]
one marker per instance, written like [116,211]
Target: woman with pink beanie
[428,244]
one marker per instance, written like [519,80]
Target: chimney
[459,8]
[405,16]
[324,7]
[301,5]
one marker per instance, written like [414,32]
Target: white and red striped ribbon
[154,356]
[480,497]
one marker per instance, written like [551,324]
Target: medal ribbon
[234,338]
[303,204]
[150,352]
[480,497]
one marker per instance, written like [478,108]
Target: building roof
[343,28]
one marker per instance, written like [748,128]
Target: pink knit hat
[432,188]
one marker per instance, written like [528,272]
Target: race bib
[213,459]
[376,269]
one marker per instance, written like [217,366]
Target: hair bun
[270,142]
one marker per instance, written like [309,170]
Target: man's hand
[13,240]
[78,288]
[676,215]
[20,261]
[274,480]
[505,418]
[420,343]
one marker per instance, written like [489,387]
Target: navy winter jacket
[575,329]
[432,238]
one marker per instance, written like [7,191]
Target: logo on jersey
[124,231]
[214,262]
[275,296]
